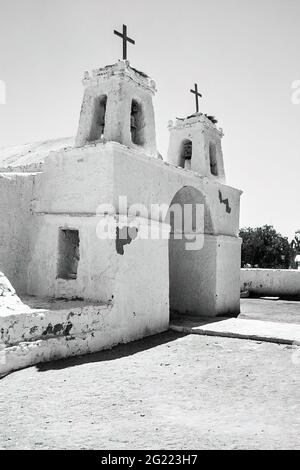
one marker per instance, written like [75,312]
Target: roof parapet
[120,69]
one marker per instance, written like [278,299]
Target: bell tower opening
[98,120]
[186,151]
[213,159]
[137,123]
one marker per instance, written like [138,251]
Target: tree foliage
[263,247]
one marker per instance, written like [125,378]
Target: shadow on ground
[256,309]
[117,352]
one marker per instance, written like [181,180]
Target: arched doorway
[191,254]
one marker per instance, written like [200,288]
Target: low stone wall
[271,282]
[42,330]
[41,335]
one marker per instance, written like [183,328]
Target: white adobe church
[49,207]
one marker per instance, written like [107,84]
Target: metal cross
[197,94]
[125,40]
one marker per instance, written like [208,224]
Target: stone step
[258,330]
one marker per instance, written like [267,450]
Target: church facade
[107,221]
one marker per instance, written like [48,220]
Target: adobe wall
[16,195]
[76,181]
[117,271]
[271,282]
[80,179]
[228,275]
[149,181]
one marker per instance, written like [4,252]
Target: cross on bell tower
[125,40]
[197,94]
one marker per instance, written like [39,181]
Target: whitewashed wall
[16,194]
[271,282]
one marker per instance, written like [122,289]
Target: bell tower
[195,144]
[117,106]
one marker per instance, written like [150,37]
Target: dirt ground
[165,392]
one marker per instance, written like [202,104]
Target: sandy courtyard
[165,392]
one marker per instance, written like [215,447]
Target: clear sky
[244,55]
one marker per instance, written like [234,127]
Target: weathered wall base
[68,329]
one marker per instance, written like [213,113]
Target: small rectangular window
[68,256]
